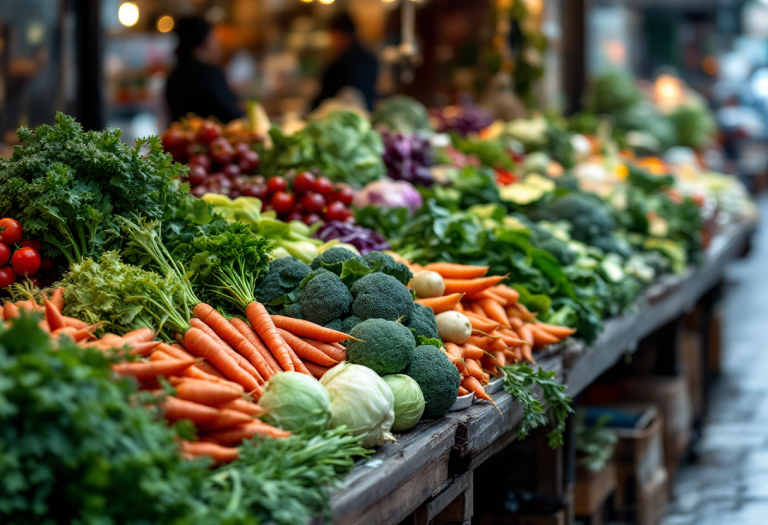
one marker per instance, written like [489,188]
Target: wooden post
[574,53]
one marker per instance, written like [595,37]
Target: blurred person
[353,65]
[197,84]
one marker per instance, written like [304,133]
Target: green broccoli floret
[283,276]
[613,244]
[381,262]
[386,347]
[335,325]
[590,217]
[437,377]
[559,249]
[423,321]
[334,255]
[349,323]
[381,296]
[324,298]
[294,310]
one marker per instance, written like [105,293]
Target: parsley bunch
[66,185]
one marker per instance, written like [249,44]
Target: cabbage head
[409,401]
[296,402]
[361,401]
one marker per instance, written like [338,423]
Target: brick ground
[728,484]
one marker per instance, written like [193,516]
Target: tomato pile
[310,199]
[21,259]
[220,158]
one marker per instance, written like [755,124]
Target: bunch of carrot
[504,331]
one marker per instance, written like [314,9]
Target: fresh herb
[595,444]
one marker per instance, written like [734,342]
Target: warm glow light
[165,23]
[668,92]
[128,14]
[306,1]
[326,2]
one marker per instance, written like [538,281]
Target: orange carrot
[239,359]
[306,329]
[177,380]
[541,337]
[200,325]
[441,304]
[201,370]
[473,385]
[238,434]
[328,349]
[57,298]
[231,335]
[508,293]
[316,370]
[75,323]
[298,364]
[458,307]
[470,351]
[206,393]
[476,309]
[471,286]
[53,315]
[148,370]
[143,349]
[306,351]
[142,335]
[515,322]
[217,453]
[456,355]
[340,347]
[225,419]
[457,271]
[527,350]
[473,368]
[561,332]
[495,311]
[499,345]
[253,338]
[264,326]
[520,311]
[11,311]
[176,409]
[246,407]
[482,341]
[200,345]
[488,294]
[463,391]
[481,323]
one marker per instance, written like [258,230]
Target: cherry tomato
[7,277]
[208,132]
[343,194]
[195,148]
[311,219]
[199,191]
[303,182]
[256,190]
[323,186]
[234,193]
[221,151]
[12,232]
[275,184]
[295,215]
[26,261]
[32,243]
[197,175]
[201,159]
[312,202]
[173,139]
[240,148]
[46,264]
[282,202]
[248,161]
[5,254]
[231,170]
[336,211]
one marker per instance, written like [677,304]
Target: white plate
[494,386]
[462,402]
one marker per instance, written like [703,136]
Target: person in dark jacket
[353,66]
[196,84]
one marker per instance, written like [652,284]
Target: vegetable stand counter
[430,467]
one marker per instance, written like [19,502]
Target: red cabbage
[362,238]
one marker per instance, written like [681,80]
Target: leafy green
[694,124]
[595,444]
[66,185]
[402,114]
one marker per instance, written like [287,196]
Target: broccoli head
[559,249]
[589,216]
[386,347]
[332,256]
[381,296]
[349,323]
[437,377]
[423,321]
[381,262]
[283,276]
[335,325]
[324,298]
[293,310]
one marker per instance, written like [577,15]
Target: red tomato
[231,170]
[173,139]
[311,219]
[241,147]
[336,211]
[248,161]
[208,132]
[303,182]
[197,175]
[5,254]
[201,159]
[46,264]
[199,191]
[343,194]
[275,184]
[221,151]
[323,186]
[7,277]
[12,232]
[32,243]
[312,202]
[256,190]
[283,202]
[26,261]
[295,215]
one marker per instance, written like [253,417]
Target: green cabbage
[296,402]
[361,401]
[409,401]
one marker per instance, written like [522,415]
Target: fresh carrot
[481,323]
[476,309]
[53,315]
[252,337]
[177,380]
[298,364]
[75,323]
[473,368]
[143,349]
[441,304]
[328,349]
[513,355]
[176,409]
[201,325]
[148,370]
[43,324]
[206,393]
[471,286]
[457,271]
[473,385]
[28,304]
[316,370]
[340,347]
[306,329]
[458,307]
[511,337]
[142,335]
[201,370]
[482,341]
[11,311]
[541,337]
[527,349]
[508,293]
[515,322]
[238,434]
[57,298]
[520,311]
[456,354]
[264,326]
[225,419]
[200,345]
[306,351]
[499,345]
[244,363]
[470,351]
[246,407]
[231,335]
[495,311]
[217,453]
[488,294]
[176,351]
[558,331]
[463,391]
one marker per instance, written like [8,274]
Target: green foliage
[401,114]
[386,347]
[381,296]
[490,152]
[595,444]
[66,185]
[694,125]
[437,377]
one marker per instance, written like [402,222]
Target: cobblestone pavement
[728,484]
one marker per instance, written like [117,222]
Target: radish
[428,284]
[453,327]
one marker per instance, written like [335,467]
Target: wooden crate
[451,505]
[593,488]
[652,499]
